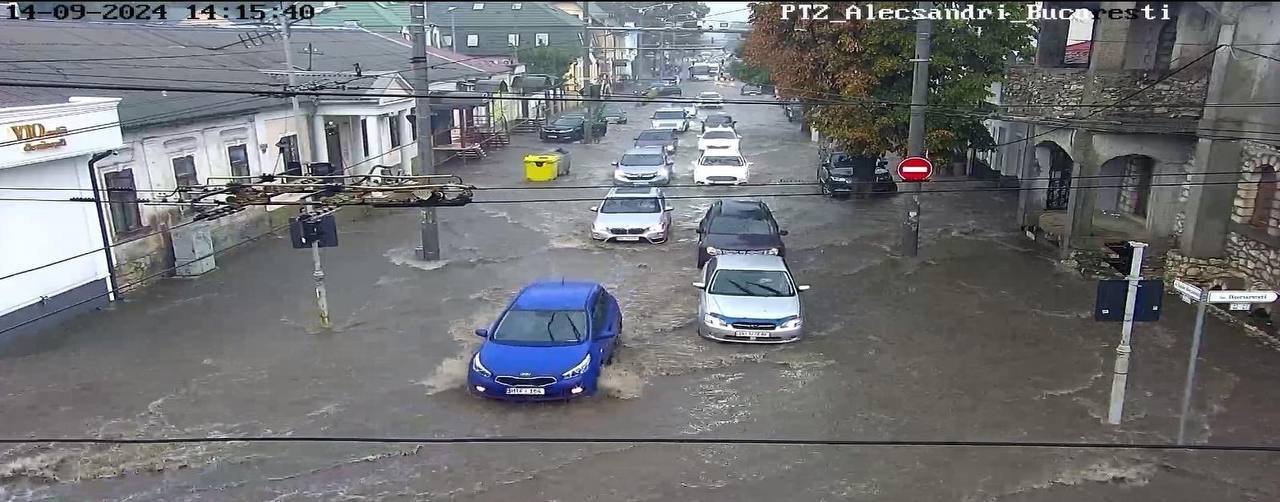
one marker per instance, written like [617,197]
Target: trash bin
[541,167]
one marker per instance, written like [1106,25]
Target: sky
[728,11]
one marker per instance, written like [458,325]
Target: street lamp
[453,30]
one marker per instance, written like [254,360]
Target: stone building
[1124,147]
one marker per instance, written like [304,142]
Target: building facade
[1125,148]
[55,262]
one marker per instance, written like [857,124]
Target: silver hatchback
[632,214]
[749,299]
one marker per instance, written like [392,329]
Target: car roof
[555,295]
[709,93]
[664,129]
[722,152]
[669,109]
[750,262]
[719,128]
[637,192]
[644,150]
[740,206]
[720,115]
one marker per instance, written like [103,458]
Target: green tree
[552,61]
[747,72]
[866,67]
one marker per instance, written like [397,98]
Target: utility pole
[1120,375]
[430,249]
[915,135]
[304,151]
[586,67]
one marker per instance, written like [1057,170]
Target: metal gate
[1059,191]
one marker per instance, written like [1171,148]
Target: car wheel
[826,190]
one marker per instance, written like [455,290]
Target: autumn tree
[857,75]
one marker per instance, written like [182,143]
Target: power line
[98,250]
[135,58]
[867,443]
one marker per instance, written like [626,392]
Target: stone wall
[1164,103]
[1256,155]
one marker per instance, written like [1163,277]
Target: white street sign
[1188,289]
[1242,296]
[1240,306]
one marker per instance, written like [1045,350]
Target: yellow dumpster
[543,167]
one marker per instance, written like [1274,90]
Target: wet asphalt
[982,338]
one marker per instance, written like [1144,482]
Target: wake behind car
[749,299]
[571,128]
[630,214]
[549,343]
[644,166]
[721,166]
[738,227]
[665,138]
[670,118]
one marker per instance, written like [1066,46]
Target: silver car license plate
[748,334]
[629,238]
[526,391]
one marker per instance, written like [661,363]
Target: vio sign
[33,134]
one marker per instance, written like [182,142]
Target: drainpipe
[102,222]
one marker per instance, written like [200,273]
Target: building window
[364,136]
[1265,200]
[122,201]
[541,39]
[413,122]
[473,40]
[515,6]
[184,171]
[513,40]
[446,41]
[288,146]
[395,131]
[238,158]
[477,6]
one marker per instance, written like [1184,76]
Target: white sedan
[710,100]
[720,138]
[721,167]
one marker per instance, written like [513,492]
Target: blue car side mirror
[481,332]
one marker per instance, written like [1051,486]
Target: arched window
[1265,200]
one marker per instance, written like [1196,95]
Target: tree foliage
[866,67]
[553,61]
[654,14]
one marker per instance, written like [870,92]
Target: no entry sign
[915,169]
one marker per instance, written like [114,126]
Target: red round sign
[915,169]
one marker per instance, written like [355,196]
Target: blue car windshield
[550,327]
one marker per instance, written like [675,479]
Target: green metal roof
[373,16]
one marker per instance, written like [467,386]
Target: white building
[53,260]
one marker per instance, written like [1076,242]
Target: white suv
[670,118]
[721,166]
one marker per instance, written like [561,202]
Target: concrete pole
[1191,367]
[1120,375]
[586,71]
[915,136]
[430,249]
[304,151]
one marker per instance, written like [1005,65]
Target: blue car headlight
[714,321]
[792,322]
[479,368]
[579,369]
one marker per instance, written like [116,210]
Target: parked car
[572,127]
[644,166]
[718,120]
[738,227]
[719,139]
[613,115]
[721,167]
[670,118]
[750,90]
[841,174]
[665,138]
[549,343]
[632,214]
[710,99]
[749,299]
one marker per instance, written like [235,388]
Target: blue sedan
[550,343]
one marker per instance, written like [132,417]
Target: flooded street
[981,339]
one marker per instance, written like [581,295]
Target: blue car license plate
[526,391]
